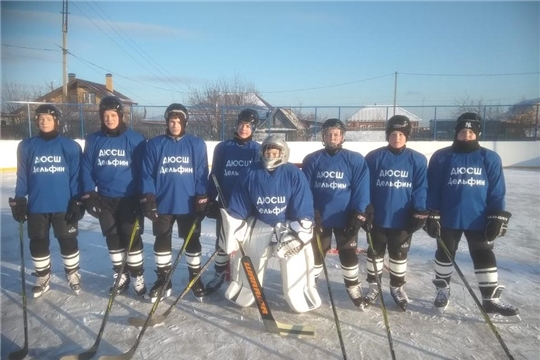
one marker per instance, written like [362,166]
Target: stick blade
[139,321]
[19,354]
[125,356]
[303,331]
[82,356]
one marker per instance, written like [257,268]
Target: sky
[294,53]
[60,323]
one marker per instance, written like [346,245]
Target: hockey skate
[160,282]
[139,286]
[355,293]
[215,284]
[371,296]
[41,285]
[493,304]
[399,296]
[122,285]
[198,287]
[74,280]
[443,295]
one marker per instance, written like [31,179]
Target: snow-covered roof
[381,113]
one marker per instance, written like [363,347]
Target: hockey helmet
[333,123]
[274,142]
[49,109]
[178,109]
[398,123]
[111,102]
[248,116]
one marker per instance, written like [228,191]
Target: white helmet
[274,142]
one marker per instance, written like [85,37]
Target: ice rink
[62,323]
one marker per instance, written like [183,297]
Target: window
[89,98]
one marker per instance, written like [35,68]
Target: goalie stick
[269,322]
[88,354]
[21,353]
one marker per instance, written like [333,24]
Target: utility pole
[395,91]
[64,48]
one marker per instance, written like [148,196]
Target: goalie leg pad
[233,230]
[298,278]
[257,248]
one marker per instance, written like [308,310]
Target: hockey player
[271,204]
[466,191]
[230,157]
[174,179]
[339,181]
[112,162]
[398,194]
[48,172]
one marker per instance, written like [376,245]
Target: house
[375,117]
[285,123]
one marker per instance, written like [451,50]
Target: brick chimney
[71,76]
[109,83]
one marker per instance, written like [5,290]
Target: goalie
[271,213]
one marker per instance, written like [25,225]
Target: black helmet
[110,102]
[333,123]
[398,123]
[49,109]
[177,108]
[469,120]
[249,116]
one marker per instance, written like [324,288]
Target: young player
[48,173]
[271,204]
[230,157]
[174,181]
[339,181]
[398,194]
[466,191]
[112,163]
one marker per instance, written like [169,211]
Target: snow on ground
[61,323]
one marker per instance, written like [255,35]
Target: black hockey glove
[19,208]
[318,222]
[497,225]
[418,220]
[149,206]
[199,204]
[92,203]
[369,214]
[433,224]
[212,210]
[75,211]
[360,220]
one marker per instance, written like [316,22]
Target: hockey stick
[336,319]
[269,322]
[379,286]
[475,298]
[21,353]
[88,354]
[129,354]
[158,319]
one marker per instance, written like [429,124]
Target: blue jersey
[175,171]
[465,187]
[112,163]
[339,183]
[398,186]
[272,196]
[230,158]
[48,172]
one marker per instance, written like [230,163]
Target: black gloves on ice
[75,211]
[92,203]
[433,224]
[19,208]
[418,220]
[497,225]
[149,206]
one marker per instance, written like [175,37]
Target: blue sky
[294,53]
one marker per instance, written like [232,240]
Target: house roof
[381,113]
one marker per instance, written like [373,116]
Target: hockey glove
[433,224]
[199,204]
[149,206]
[212,210]
[418,220]
[356,221]
[75,211]
[293,240]
[318,222]
[19,208]
[92,203]
[369,214]
[497,225]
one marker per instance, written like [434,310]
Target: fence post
[536,127]
[81,119]
[483,134]
[29,121]
[435,124]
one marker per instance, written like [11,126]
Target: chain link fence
[303,123]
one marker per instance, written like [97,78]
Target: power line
[27,47]
[469,75]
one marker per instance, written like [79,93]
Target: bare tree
[214,107]
[17,92]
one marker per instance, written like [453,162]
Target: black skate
[198,287]
[41,285]
[215,284]
[355,293]
[493,304]
[443,294]
[122,285]
[371,296]
[74,280]
[158,284]
[399,296]
[138,285]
